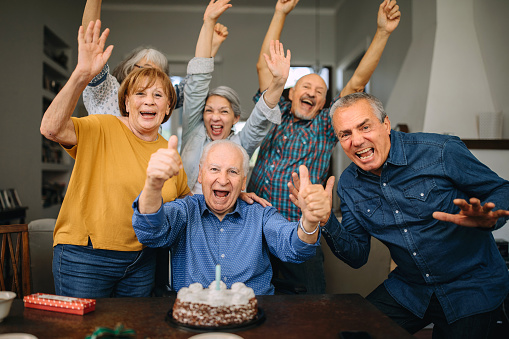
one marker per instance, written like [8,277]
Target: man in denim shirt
[406,190]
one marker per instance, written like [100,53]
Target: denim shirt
[424,173]
[240,243]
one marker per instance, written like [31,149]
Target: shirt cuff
[200,65]
[332,227]
[156,218]
[99,78]
[300,245]
[271,114]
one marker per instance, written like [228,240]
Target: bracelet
[304,230]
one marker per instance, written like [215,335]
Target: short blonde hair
[137,80]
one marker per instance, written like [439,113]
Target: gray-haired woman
[101,94]
[210,115]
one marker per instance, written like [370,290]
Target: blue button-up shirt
[240,243]
[424,173]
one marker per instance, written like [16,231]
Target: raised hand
[164,164]
[315,201]
[91,53]
[294,192]
[473,214]
[388,16]
[286,6]
[219,36]
[215,9]
[278,64]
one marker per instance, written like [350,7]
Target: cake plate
[256,321]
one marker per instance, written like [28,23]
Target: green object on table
[119,333]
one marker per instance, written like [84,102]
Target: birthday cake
[212,307]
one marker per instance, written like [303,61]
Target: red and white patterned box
[59,303]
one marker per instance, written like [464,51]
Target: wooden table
[287,316]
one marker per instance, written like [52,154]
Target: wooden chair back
[15,259]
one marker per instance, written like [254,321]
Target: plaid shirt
[284,149]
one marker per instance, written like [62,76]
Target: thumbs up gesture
[164,164]
[314,201]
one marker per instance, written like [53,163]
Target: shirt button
[397,211]
[369,211]
[414,254]
[422,194]
[304,142]
[222,255]
[277,151]
[221,230]
[284,137]
[225,278]
[427,275]
[272,165]
[405,230]
[266,181]
[384,184]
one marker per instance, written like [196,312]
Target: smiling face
[308,96]
[365,140]
[218,117]
[222,178]
[147,108]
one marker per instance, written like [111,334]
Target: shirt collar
[204,207]
[397,154]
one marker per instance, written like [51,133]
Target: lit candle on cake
[218,276]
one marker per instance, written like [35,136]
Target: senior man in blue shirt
[406,189]
[217,227]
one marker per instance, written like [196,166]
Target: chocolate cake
[198,306]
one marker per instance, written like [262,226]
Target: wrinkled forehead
[313,79]
[354,111]
[226,155]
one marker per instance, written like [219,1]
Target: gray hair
[230,95]
[350,99]
[126,66]
[210,145]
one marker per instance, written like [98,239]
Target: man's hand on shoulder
[473,214]
[251,198]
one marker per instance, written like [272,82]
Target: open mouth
[148,114]
[216,129]
[221,194]
[308,102]
[365,153]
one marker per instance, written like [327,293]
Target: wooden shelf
[487,143]
[56,168]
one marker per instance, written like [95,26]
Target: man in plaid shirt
[305,135]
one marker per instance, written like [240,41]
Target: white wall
[458,89]
[174,31]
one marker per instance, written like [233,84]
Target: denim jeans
[475,327]
[85,272]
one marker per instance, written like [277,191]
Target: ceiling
[236,3]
